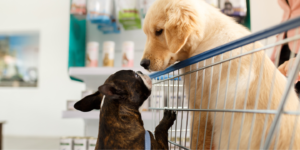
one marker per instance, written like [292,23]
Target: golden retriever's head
[168,26]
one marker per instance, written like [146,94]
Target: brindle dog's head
[127,86]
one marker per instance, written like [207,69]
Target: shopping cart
[192,89]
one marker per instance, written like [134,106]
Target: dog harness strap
[102,102]
[147,141]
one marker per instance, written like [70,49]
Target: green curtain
[77,43]
[248,18]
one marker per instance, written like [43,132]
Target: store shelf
[84,71]
[81,115]
[94,77]
[95,115]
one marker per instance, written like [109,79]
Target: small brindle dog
[121,125]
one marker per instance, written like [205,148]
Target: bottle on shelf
[92,54]
[108,54]
[127,54]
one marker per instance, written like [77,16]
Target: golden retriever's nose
[145,63]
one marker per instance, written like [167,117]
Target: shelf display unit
[93,77]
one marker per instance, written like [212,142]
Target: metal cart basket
[210,84]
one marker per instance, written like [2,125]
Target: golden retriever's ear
[181,22]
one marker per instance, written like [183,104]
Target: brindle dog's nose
[145,63]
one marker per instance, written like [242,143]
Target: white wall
[37,111]
[265,14]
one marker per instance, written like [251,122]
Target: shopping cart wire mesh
[210,84]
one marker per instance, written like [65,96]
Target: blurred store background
[53,52]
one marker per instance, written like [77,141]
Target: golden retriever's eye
[159,32]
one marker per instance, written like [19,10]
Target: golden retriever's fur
[191,27]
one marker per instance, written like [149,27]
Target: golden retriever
[179,29]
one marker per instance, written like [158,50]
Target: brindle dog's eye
[159,32]
[125,118]
[136,75]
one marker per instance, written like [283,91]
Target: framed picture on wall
[237,9]
[19,59]
[234,8]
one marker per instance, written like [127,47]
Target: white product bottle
[66,143]
[80,144]
[108,53]
[92,142]
[214,3]
[127,54]
[92,54]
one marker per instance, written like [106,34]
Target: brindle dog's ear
[89,102]
[109,91]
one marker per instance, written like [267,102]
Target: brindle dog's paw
[169,118]
[167,121]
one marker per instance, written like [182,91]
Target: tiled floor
[30,143]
